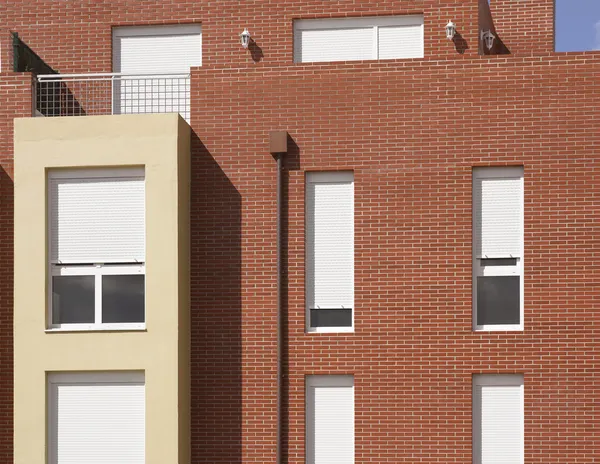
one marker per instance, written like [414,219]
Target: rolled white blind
[97,419]
[498,419]
[498,214]
[401,41]
[97,219]
[330,240]
[367,38]
[157,49]
[334,44]
[330,419]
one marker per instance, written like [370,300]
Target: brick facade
[411,130]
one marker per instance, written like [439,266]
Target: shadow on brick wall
[6,315]
[216,312]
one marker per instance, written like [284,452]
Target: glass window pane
[331,318]
[122,298]
[498,300]
[73,300]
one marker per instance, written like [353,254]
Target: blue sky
[577,25]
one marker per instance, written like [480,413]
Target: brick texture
[411,130]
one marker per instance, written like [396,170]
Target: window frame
[56,379]
[98,270]
[326,380]
[328,177]
[364,22]
[479,269]
[496,380]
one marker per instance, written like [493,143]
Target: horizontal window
[350,39]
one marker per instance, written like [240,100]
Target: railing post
[34,92]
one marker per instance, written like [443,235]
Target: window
[330,251]
[498,248]
[498,419]
[96,417]
[155,61]
[368,38]
[330,419]
[97,248]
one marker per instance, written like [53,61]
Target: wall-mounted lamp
[245,38]
[450,30]
[488,39]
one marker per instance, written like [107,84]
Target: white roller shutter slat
[97,220]
[339,44]
[330,243]
[498,423]
[97,422]
[330,420]
[401,42]
[498,216]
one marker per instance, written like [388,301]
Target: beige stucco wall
[160,143]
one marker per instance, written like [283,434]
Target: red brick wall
[15,101]
[525,27]
[411,131]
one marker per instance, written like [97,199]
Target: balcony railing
[112,93]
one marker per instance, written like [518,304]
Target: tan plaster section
[160,143]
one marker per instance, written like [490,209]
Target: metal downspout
[279,309]
[278,148]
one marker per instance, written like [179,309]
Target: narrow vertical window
[498,248]
[97,248]
[498,419]
[330,251]
[330,419]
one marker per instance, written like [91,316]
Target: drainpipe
[278,148]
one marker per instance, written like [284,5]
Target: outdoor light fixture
[488,39]
[450,30]
[245,38]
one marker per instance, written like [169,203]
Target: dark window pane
[122,298]
[498,261]
[498,300]
[331,317]
[73,300]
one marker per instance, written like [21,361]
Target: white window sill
[330,330]
[99,328]
[498,328]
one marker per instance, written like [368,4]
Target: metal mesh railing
[112,93]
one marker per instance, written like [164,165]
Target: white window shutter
[144,51]
[330,419]
[401,41]
[157,49]
[97,219]
[96,419]
[334,44]
[366,38]
[498,203]
[498,419]
[330,240]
